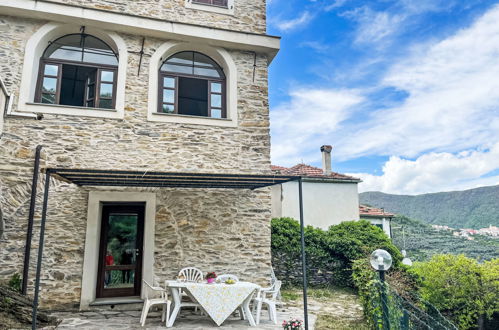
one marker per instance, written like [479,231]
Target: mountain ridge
[472,208]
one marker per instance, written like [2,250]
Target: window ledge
[229,10]
[189,119]
[71,110]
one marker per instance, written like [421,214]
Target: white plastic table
[218,300]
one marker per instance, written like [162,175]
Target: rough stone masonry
[215,230]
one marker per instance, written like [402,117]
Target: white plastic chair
[263,298]
[155,296]
[273,279]
[191,274]
[224,277]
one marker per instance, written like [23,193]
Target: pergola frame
[182,180]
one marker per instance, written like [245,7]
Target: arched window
[78,70]
[192,84]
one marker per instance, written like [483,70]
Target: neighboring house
[329,198]
[378,217]
[151,86]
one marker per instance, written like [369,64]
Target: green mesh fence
[393,312]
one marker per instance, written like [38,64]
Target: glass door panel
[121,250]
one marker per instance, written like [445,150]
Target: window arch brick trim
[221,56]
[34,50]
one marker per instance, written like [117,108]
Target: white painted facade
[326,202]
[383,222]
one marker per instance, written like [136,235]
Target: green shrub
[15,282]
[462,289]
[333,250]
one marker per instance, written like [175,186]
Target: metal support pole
[40,248]
[384,307]
[303,256]
[29,233]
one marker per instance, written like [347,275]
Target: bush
[330,254]
[462,289]
[15,282]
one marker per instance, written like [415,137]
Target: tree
[460,287]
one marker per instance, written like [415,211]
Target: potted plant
[293,324]
[210,277]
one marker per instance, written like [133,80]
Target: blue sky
[406,91]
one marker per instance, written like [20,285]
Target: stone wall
[220,230]
[249,15]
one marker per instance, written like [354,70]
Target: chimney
[326,159]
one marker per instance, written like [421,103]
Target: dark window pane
[176,68]
[168,96]
[169,82]
[107,76]
[222,3]
[216,100]
[100,58]
[74,84]
[193,96]
[66,53]
[105,103]
[181,58]
[216,87]
[90,91]
[203,60]
[168,108]
[91,104]
[206,72]
[49,85]
[78,47]
[119,279]
[216,113]
[106,90]
[51,70]
[48,98]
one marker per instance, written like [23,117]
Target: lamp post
[381,261]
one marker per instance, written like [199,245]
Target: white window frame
[35,47]
[222,57]
[214,9]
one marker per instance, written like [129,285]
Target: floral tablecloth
[220,300]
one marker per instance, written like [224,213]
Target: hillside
[422,241]
[474,208]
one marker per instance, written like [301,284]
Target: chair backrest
[273,278]
[191,274]
[149,289]
[273,290]
[224,277]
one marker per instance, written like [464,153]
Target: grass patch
[289,295]
[325,293]
[328,322]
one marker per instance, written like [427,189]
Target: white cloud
[434,172]
[295,23]
[375,27]
[335,4]
[306,120]
[452,103]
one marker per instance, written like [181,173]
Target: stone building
[144,85]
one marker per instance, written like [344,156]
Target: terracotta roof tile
[365,210]
[309,171]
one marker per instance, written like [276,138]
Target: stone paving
[186,320]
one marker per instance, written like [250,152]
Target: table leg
[176,300]
[247,310]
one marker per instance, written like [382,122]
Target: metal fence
[393,312]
